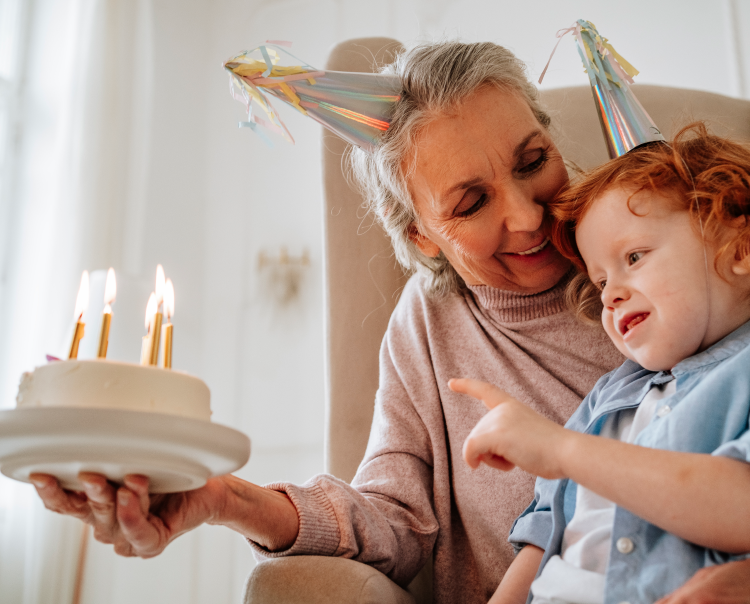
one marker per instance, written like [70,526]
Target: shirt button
[624,545]
[664,411]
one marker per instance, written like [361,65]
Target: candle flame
[150,312]
[159,289]
[169,299]
[110,288]
[82,301]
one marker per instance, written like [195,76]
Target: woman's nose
[521,212]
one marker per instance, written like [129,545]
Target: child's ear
[425,245]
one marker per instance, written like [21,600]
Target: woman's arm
[385,518]
[721,584]
[675,491]
[515,586]
[387,521]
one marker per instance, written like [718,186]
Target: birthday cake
[114,385]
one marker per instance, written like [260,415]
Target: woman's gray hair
[435,77]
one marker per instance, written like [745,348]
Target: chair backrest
[362,278]
[576,129]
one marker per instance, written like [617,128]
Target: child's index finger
[490,395]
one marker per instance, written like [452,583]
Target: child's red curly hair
[707,175]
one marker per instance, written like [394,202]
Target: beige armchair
[362,285]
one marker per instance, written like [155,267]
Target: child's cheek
[608,322]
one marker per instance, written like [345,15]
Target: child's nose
[614,294]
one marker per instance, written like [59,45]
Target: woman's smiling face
[480,181]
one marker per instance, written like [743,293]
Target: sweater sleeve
[385,518]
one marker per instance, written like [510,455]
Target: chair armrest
[321,580]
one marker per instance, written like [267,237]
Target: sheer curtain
[78,147]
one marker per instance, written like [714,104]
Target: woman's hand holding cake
[137,524]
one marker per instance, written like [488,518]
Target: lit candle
[146,344]
[167,329]
[82,303]
[110,291]
[156,325]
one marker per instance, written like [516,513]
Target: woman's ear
[425,245]
[741,262]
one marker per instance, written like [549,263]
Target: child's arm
[700,498]
[514,588]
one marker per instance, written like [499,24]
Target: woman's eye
[634,257]
[602,284]
[532,161]
[471,203]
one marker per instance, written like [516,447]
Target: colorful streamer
[356,106]
[625,123]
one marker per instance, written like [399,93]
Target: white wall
[226,197]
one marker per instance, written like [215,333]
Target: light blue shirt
[708,413]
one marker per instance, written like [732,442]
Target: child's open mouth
[628,322]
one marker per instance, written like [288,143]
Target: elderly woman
[460,183]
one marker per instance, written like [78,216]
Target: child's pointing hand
[511,434]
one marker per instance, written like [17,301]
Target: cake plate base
[176,453]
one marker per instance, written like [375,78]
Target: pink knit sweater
[413,493]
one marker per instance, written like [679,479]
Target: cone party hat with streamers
[356,106]
[625,123]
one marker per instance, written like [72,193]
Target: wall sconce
[283,276]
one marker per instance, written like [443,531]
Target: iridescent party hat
[356,106]
[625,123]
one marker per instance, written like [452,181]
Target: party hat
[356,106]
[625,123]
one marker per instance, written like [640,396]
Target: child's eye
[602,284]
[634,257]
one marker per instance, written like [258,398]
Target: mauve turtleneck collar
[513,307]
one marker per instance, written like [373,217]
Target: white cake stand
[176,453]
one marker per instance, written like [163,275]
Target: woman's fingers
[58,500]
[490,395]
[145,534]
[721,584]
[101,501]
[120,516]
[139,486]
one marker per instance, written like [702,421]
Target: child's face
[663,300]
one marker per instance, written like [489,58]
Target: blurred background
[119,147]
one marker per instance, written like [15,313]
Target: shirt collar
[729,345]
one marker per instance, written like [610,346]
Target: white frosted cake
[113,385]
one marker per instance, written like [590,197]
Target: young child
[649,481]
